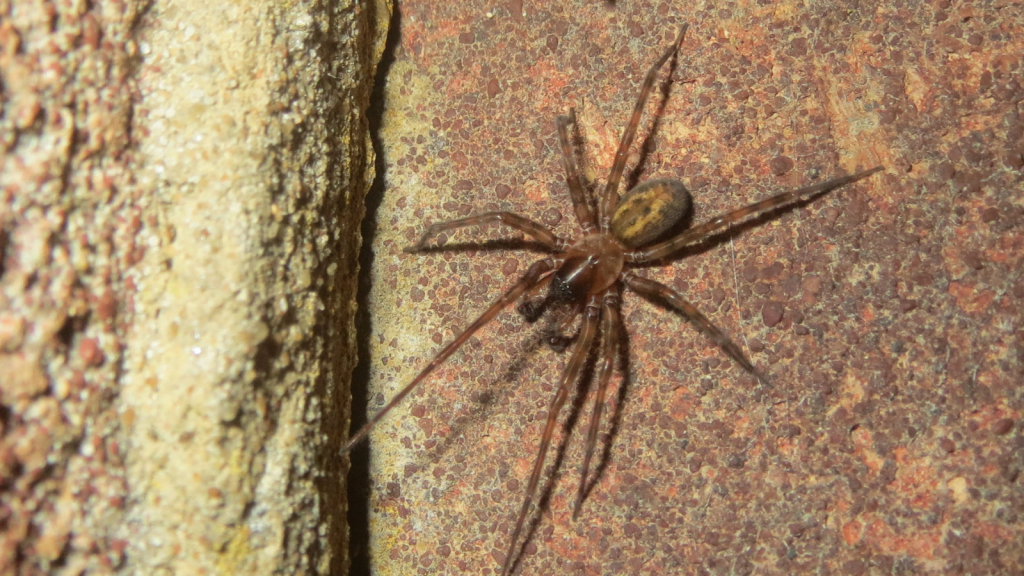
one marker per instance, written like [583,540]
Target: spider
[588,275]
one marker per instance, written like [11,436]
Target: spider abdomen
[649,210]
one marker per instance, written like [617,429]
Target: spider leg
[611,196]
[537,231]
[655,291]
[584,213]
[609,347]
[532,277]
[702,232]
[570,375]
[533,304]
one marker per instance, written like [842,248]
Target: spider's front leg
[533,276]
[537,231]
[580,202]
[610,198]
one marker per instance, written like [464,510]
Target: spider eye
[648,210]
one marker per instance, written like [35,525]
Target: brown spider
[588,275]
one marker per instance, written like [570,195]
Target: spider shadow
[497,245]
[539,338]
[482,408]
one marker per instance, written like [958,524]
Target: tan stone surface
[182,189]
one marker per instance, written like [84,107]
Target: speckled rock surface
[182,185]
[887,314]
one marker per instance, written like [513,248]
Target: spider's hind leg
[610,197]
[610,325]
[657,292]
[570,375]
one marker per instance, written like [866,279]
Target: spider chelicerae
[587,276]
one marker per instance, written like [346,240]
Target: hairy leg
[659,292]
[610,320]
[580,202]
[611,190]
[570,375]
[538,232]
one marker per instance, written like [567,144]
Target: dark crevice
[359,472]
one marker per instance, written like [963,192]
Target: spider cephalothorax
[589,274]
